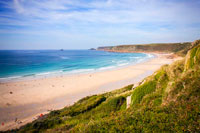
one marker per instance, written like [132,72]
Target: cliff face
[106,48]
[162,47]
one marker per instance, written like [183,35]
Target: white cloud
[132,20]
[18,6]
[110,11]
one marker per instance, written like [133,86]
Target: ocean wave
[9,78]
[150,55]
[121,61]
[80,71]
[64,57]
[123,64]
[28,75]
[48,73]
[143,59]
[105,68]
[52,66]
[12,77]
[45,73]
[135,57]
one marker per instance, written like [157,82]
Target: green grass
[152,89]
[83,105]
[181,115]
[177,48]
[110,106]
[194,56]
[123,91]
[168,101]
[142,90]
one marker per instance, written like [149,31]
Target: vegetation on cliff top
[177,48]
[167,101]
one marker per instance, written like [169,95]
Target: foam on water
[80,71]
[18,64]
[106,68]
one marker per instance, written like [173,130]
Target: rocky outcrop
[128,101]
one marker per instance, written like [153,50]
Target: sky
[83,24]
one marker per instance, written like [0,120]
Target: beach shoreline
[22,101]
[60,72]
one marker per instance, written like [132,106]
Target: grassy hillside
[167,101]
[178,48]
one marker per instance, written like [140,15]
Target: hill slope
[178,48]
[167,101]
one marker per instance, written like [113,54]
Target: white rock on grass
[128,101]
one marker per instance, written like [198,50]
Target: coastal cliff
[178,48]
[167,101]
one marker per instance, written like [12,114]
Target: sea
[20,64]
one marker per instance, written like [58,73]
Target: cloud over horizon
[79,24]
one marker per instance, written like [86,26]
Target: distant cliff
[179,48]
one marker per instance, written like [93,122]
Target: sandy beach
[22,101]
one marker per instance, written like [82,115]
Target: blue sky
[82,24]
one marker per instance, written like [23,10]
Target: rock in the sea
[92,49]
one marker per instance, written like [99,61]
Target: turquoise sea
[16,64]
